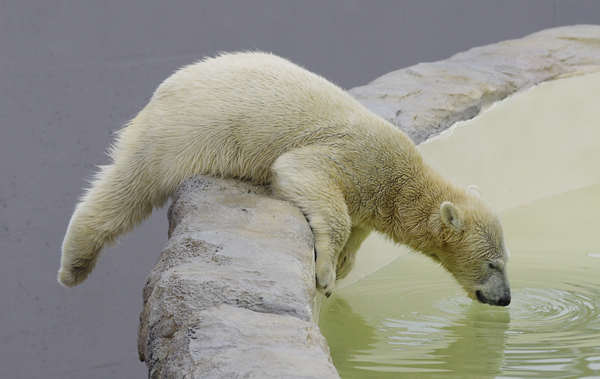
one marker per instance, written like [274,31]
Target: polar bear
[259,117]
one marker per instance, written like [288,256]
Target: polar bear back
[235,114]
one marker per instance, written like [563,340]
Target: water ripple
[543,330]
[557,317]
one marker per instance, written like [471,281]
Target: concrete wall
[73,72]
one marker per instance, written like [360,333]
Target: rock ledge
[232,295]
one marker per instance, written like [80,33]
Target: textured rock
[233,342]
[232,294]
[425,99]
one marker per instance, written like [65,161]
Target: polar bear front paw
[325,277]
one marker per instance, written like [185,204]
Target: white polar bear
[258,117]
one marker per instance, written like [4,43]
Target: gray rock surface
[426,99]
[232,295]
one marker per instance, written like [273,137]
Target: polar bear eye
[495,265]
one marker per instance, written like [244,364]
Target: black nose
[502,302]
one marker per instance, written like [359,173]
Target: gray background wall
[73,72]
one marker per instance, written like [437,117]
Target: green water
[411,320]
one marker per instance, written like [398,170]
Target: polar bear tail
[120,198]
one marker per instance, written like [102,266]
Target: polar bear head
[471,247]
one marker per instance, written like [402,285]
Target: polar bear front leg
[300,176]
[330,231]
[347,257]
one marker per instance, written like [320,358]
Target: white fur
[259,117]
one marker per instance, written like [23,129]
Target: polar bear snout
[503,301]
[495,291]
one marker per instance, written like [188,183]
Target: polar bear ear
[451,217]
[474,189]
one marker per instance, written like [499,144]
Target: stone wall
[233,293]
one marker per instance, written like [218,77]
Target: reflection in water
[353,335]
[411,320]
[449,335]
[479,348]
[470,337]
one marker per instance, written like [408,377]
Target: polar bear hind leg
[122,196]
